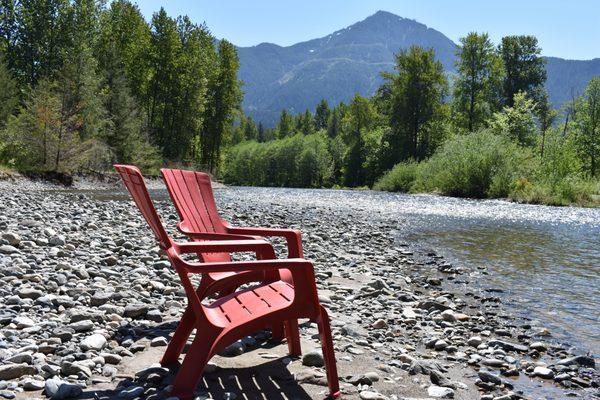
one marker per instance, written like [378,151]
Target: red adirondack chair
[193,197]
[194,201]
[240,313]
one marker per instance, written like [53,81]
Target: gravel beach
[88,304]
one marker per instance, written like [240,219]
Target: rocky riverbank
[87,304]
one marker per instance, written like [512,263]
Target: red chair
[238,314]
[194,201]
[193,198]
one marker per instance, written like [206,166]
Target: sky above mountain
[567,29]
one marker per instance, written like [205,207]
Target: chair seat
[249,304]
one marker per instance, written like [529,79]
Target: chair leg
[193,364]
[277,332]
[180,337]
[184,328]
[292,333]
[328,354]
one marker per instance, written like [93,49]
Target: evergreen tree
[250,130]
[524,67]
[322,113]
[334,123]
[9,93]
[476,90]
[285,126]
[305,123]
[261,134]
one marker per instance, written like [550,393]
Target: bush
[478,165]
[401,178]
[296,161]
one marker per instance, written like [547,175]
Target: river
[544,262]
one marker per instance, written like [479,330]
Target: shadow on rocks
[268,380]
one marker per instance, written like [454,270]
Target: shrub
[478,165]
[401,178]
[295,161]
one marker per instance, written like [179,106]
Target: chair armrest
[293,264]
[293,237]
[262,248]
[219,236]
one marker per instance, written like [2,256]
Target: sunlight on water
[544,260]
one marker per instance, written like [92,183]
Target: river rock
[543,372]
[12,238]
[440,392]
[94,342]
[313,359]
[13,371]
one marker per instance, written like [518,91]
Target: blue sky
[564,28]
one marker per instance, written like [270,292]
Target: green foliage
[285,126]
[480,164]
[587,127]
[9,94]
[517,122]
[294,161]
[401,178]
[524,67]
[322,115]
[477,87]
[416,94]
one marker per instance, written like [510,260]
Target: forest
[487,132]
[84,84]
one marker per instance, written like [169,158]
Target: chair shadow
[269,380]
[264,381]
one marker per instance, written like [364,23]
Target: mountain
[351,60]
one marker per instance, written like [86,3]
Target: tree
[417,94]
[517,122]
[285,126]
[250,129]
[261,134]
[43,34]
[523,65]
[124,42]
[358,121]
[9,93]
[334,123]
[225,96]
[546,116]
[476,90]
[305,123]
[322,113]
[38,137]
[587,127]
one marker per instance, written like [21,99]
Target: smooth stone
[313,359]
[94,342]
[543,372]
[33,384]
[14,371]
[440,392]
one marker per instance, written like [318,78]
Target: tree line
[83,85]
[420,117]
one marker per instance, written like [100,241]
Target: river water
[544,262]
